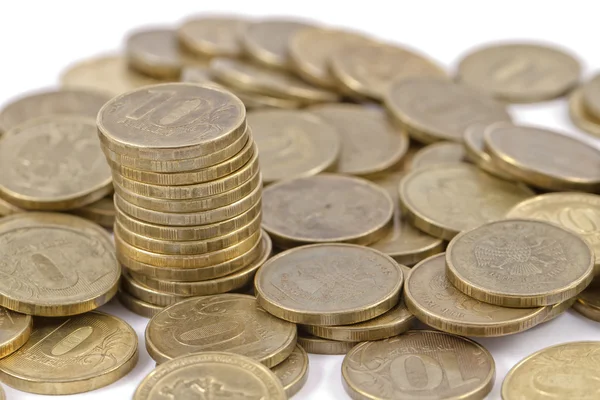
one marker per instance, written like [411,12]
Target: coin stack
[187,193]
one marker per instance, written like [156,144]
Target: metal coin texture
[580,116]
[293,372]
[15,329]
[439,154]
[475,149]
[588,302]
[590,95]
[101,212]
[137,306]
[317,345]
[212,36]
[143,293]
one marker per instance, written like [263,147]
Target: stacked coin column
[187,193]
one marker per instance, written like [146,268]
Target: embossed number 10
[167,109]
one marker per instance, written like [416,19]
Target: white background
[39,38]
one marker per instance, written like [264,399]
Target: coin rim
[580,117]
[17,341]
[137,306]
[317,345]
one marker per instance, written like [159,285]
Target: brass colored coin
[138,290]
[523,151]
[588,301]
[101,212]
[559,308]
[293,372]
[190,326]
[72,355]
[475,149]
[171,121]
[55,264]
[580,116]
[7,208]
[2,395]
[326,208]
[329,284]
[74,102]
[519,263]
[520,73]
[225,375]
[293,144]
[439,154]
[433,110]
[212,36]
[590,95]
[15,330]
[434,301]
[317,345]
[369,68]
[137,306]
[371,144]
[444,200]
[419,364]
[564,371]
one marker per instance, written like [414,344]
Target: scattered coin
[475,149]
[212,36]
[15,330]
[580,116]
[421,364]
[138,290]
[72,355]
[293,372]
[317,345]
[222,374]
[519,263]
[590,94]
[439,154]
[588,302]
[101,212]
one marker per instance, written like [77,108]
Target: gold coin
[520,73]
[564,371]
[433,110]
[580,116]
[109,74]
[370,143]
[326,208]
[317,345]
[15,330]
[2,395]
[212,36]
[171,121]
[420,364]
[559,308]
[74,102]
[138,290]
[293,144]
[7,208]
[588,301]
[55,264]
[367,68]
[72,355]
[137,306]
[101,212]
[439,154]
[293,372]
[475,149]
[267,42]
[434,301]
[590,96]
[519,263]
[329,284]
[523,151]
[220,374]
[447,199]
[189,327]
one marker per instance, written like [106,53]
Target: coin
[559,308]
[368,68]
[446,199]
[519,263]
[2,395]
[101,212]
[15,330]
[293,372]
[370,143]
[55,264]
[293,144]
[588,302]
[432,110]
[212,36]
[171,121]
[434,301]
[590,96]
[220,374]
[564,371]
[74,102]
[137,306]
[317,345]
[329,284]
[326,208]
[439,154]
[243,328]
[7,208]
[580,116]
[522,152]
[475,149]
[141,292]
[72,355]
[267,41]
[520,72]
[421,364]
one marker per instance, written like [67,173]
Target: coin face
[590,94]
[422,364]
[434,110]
[523,152]
[224,374]
[329,284]
[326,208]
[15,329]
[72,355]
[519,263]
[446,199]
[588,301]
[370,143]
[520,73]
[439,153]
[55,264]
[212,36]
[564,371]
[155,52]
[293,372]
[580,116]
[475,149]
[244,328]
[293,144]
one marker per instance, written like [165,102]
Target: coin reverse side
[15,329]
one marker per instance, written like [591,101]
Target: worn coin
[434,301]
[590,94]
[141,292]
[225,375]
[419,364]
[293,372]
[520,73]
[564,371]
[15,330]
[519,263]
[72,355]
[212,36]
[371,144]
[329,284]
[138,306]
[326,208]
[588,301]
[101,212]
[439,153]
[243,328]
[432,110]
[293,144]
[475,149]
[446,199]
[580,116]
[317,345]
[522,152]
